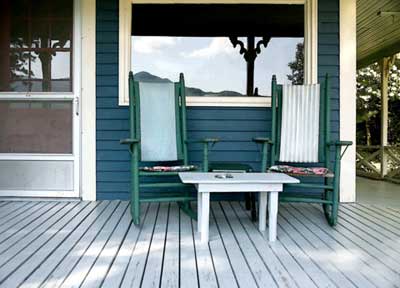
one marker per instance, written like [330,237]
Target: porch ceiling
[378,34]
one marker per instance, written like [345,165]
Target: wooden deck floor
[93,244]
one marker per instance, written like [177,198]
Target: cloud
[216,47]
[147,45]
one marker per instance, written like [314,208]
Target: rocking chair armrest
[340,143]
[129,141]
[206,148]
[263,140]
[338,147]
[205,140]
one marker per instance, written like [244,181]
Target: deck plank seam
[22,238]
[165,243]
[49,273]
[230,230]
[114,258]
[62,242]
[257,232]
[151,240]
[279,245]
[32,226]
[387,219]
[20,251]
[307,253]
[232,218]
[42,245]
[6,212]
[363,220]
[26,213]
[214,219]
[369,275]
[364,239]
[372,230]
[49,276]
[285,214]
[195,253]
[132,226]
[107,240]
[67,275]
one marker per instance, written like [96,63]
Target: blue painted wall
[237,126]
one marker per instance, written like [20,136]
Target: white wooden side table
[267,184]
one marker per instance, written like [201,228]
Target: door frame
[75,98]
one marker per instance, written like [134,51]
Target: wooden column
[385,62]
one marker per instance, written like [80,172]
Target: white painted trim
[38,193]
[311,42]
[348,70]
[125,17]
[233,101]
[88,100]
[36,157]
[77,59]
[35,96]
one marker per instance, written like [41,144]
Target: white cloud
[216,47]
[147,45]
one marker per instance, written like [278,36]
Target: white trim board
[310,39]
[348,70]
[38,193]
[88,100]
[232,101]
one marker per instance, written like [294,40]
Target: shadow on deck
[93,244]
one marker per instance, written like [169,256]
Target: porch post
[88,95]
[348,64]
[384,113]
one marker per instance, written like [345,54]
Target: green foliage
[369,104]
[297,66]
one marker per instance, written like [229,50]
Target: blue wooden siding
[237,126]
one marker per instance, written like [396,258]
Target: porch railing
[379,162]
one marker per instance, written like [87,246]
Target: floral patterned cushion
[317,171]
[180,168]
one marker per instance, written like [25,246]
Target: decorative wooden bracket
[250,54]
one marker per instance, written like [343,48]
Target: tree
[297,66]
[369,104]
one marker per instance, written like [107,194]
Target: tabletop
[211,178]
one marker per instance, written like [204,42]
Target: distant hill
[144,76]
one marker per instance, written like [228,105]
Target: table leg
[199,210]
[262,216]
[273,215]
[205,215]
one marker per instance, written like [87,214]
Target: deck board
[188,269]
[95,244]
[54,269]
[170,273]
[365,258]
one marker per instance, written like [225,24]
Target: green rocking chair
[301,135]
[158,137]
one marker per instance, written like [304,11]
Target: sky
[212,64]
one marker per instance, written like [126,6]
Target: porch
[92,244]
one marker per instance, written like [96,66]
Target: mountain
[144,76]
